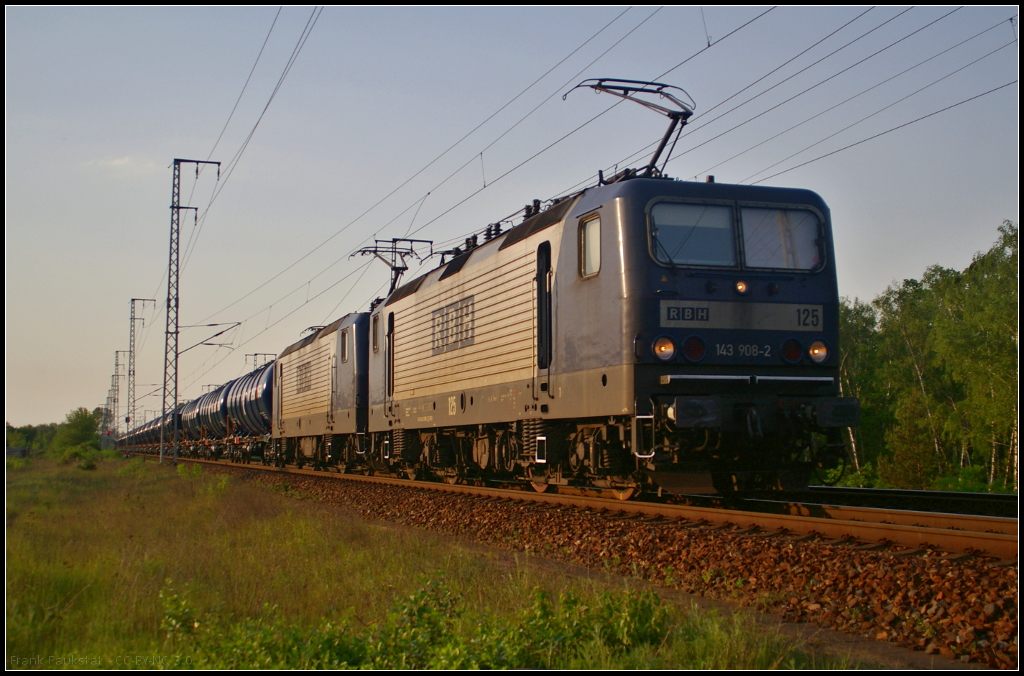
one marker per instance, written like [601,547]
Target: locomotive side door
[543,322]
[389,364]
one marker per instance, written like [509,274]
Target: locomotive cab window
[376,333]
[692,234]
[590,247]
[344,346]
[781,239]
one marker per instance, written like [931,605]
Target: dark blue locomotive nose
[731,312]
[729,275]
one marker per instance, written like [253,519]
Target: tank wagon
[645,332]
[233,421]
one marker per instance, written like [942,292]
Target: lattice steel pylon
[115,389]
[129,418]
[112,428]
[170,390]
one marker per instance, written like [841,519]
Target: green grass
[186,568]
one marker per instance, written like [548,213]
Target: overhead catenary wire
[523,118]
[244,86]
[593,177]
[641,151]
[201,168]
[847,100]
[425,167]
[887,131]
[420,201]
[696,118]
[567,135]
[880,110]
[509,171]
[232,164]
[194,234]
[518,166]
[281,319]
[816,85]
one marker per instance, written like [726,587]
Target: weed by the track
[139,565]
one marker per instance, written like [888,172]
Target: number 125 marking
[807,317]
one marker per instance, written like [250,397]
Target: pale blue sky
[99,102]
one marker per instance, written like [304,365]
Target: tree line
[77,439]
[934,364]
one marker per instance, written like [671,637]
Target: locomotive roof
[651,188]
[324,331]
[591,197]
[536,223]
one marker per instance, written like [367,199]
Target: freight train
[643,333]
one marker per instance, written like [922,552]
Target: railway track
[981,504]
[866,527]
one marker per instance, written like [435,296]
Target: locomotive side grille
[306,386]
[501,345]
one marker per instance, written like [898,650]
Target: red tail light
[693,348]
[792,350]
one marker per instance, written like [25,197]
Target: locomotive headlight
[742,287]
[664,348]
[818,351]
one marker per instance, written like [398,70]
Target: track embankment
[962,607]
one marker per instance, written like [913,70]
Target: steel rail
[917,530]
[913,494]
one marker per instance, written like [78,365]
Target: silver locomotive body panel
[320,382]
[461,347]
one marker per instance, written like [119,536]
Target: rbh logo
[452,326]
[688,314]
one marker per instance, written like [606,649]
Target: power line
[880,110]
[231,115]
[523,118]
[518,166]
[232,164]
[870,138]
[631,157]
[281,319]
[427,166]
[474,157]
[861,93]
[559,140]
[194,234]
[419,201]
[816,85]
[233,109]
[575,187]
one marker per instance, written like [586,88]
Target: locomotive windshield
[780,238]
[692,234]
[702,234]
